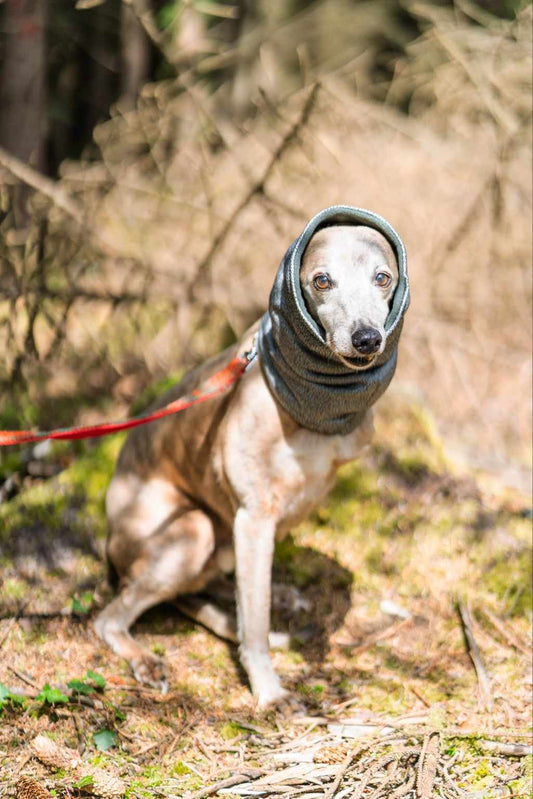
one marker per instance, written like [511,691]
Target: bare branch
[475,654]
[42,184]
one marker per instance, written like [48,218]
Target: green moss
[293,657]
[18,411]
[45,504]
[353,481]
[378,563]
[39,505]
[88,477]
[412,466]
[191,782]
[510,580]
[153,776]
[301,564]
[179,769]
[13,588]
[285,550]
[230,730]
[522,786]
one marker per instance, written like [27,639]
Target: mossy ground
[400,525]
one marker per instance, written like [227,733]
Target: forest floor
[385,576]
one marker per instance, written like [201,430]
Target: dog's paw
[150,670]
[272,697]
[282,702]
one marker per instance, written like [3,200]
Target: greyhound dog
[209,491]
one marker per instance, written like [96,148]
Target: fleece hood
[317,390]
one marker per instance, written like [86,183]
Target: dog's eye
[383,280]
[322,282]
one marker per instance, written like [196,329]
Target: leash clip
[251,354]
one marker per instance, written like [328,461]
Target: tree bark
[23,81]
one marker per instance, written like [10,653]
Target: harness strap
[216,384]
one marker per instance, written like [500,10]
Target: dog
[209,490]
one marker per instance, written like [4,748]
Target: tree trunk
[23,81]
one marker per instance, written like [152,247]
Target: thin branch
[42,184]
[228,783]
[259,185]
[427,766]
[86,294]
[332,790]
[23,677]
[475,654]
[381,635]
[509,637]
[506,749]
[60,198]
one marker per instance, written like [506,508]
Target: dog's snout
[367,340]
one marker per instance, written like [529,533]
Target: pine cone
[331,754]
[107,785]
[27,788]
[52,754]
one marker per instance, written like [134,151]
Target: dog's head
[348,276]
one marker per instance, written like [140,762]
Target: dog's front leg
[254,549]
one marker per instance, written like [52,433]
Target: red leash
[214,385]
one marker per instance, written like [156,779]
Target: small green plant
[82,605]
[93,682]
[85,782]
[9,699]
[51,696]
[105,739]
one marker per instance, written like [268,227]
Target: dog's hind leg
[113,623]
[170,560]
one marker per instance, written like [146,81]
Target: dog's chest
[301,472]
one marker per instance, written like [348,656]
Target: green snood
[317,390]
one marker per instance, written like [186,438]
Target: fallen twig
[403,789]
[507,749]
[227,783]
[427,766]
[509,638]
[475,655]
[381,635]
[24,678]
[340,776]
[418,694]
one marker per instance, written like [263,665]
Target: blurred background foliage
[158,158]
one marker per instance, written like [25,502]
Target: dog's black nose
[367,340]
